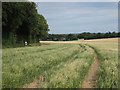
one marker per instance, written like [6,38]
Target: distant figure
[25,43]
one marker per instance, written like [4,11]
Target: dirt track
[88,82]
[35,83]
[90,79]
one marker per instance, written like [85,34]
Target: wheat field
[60,64]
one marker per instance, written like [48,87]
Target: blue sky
[78,17]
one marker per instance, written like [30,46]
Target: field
[60,64]
[107,50]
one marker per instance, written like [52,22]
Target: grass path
[90,79]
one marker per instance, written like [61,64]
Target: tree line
[84,35]
[21,22]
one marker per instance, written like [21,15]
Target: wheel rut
[90,79]
[88,82]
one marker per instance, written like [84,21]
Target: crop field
[107,50]
[62,64]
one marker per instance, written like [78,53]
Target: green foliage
[85,35]
[21,22]
[61,37]
[71,37]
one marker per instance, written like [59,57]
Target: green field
[60,64]
[107,50]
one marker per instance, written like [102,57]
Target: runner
[25,43]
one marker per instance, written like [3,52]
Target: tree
[21,22]
[42,27]
[72,37]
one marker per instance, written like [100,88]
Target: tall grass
[108,69]
[107,50]
[71,73]
[23,65]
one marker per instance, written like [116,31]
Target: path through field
[90,79]
[64,64]
[88,82]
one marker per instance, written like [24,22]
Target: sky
[78,17]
